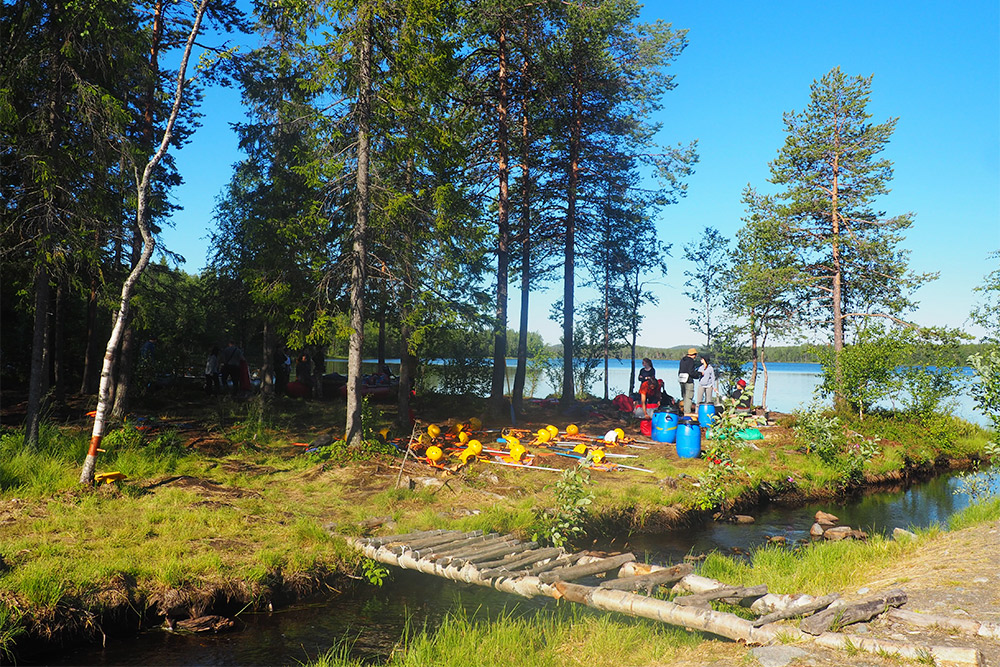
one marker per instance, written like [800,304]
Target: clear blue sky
[936,66]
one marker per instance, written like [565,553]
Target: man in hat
[740,396]
[686,375]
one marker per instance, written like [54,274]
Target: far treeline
[406,164]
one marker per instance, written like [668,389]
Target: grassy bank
[228,512]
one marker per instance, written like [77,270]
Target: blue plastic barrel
[688,441]
[664,426]
[706,414]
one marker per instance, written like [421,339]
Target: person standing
[282,370]
[232,355]
[212,372]
[686,375]
[649,389]
[706,382]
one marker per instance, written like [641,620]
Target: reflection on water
[374,619]
[918,506]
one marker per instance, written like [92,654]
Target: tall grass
[567,635]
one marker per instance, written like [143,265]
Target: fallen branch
[966,625]
[852,613]
[803,609]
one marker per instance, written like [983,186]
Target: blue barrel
[664,426]
[706,413]
[688,441]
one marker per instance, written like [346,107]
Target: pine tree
[832,172]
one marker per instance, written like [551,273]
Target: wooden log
[460,545]
[579,571]
[804,609]
[648,582]
[436,540]
[568,559]
[942,654]
[529,558]
[728,594]
[379,541]
[494,553]
[476,549]
[852,613]
[695,583]
[511,557]
[966,625]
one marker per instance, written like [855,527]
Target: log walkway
[613,583]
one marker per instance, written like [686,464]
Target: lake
[790,386]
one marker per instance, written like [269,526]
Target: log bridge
[613,583]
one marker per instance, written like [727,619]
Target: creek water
[372,620]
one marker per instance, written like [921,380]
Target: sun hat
[741,383]
[691,350]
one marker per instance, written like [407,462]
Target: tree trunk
[142,219]
[38,382]
[520,375]
[576,130]
[503,235]
[607,336]
[359,255]
[381,334]
[58,341]
[88,383]
[120,387]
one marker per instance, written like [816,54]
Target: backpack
[623,403]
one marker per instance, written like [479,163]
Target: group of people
[698,383]
[223,367]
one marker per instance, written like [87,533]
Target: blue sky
[936,67]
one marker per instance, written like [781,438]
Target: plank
[579,571]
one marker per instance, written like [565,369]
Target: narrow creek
[373,619]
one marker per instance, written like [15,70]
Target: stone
[838,533]
[826,518]
[900,534]
[816,530]
[777,656]
[743,519]
[864,590]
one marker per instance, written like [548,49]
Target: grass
[568,635]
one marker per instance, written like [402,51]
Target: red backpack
[623,403]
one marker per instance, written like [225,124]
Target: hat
[741,383]
[691,350]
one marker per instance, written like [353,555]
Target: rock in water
[826,518]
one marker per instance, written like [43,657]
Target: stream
[372,620]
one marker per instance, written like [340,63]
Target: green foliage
[846,453]
[985,391]
[372,445]
[920,368]
[374,572]
[566,521]
[977,485]
[707,282]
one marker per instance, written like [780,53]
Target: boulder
[816,530]
[826,518]
[837,533]
[900,534]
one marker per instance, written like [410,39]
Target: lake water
[790,387]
